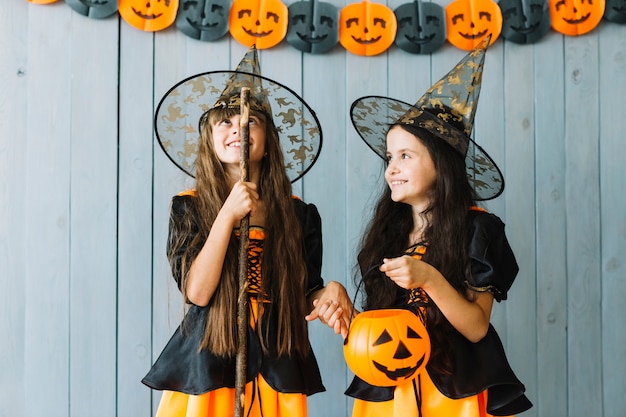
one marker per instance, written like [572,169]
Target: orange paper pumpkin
[41,1]
[386,347]
[468,22]
[148,15]
[575,17]
[367,28]
[258,22]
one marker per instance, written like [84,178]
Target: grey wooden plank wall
[86,300]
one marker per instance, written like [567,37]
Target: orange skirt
[260,401]
[260,398]
[433,403]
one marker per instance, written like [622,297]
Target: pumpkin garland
[364,28]
[149,16]
[258,22]
[367,28]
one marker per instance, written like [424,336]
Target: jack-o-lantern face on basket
[148,15]
[524,21]
[205,20]
[367,28]
[96,9]
[469,21]
[258,22]
[313,26]
[615,11]
[421,27]
[386,347]
[576,17]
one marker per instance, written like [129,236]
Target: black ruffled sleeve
[311,223]
[183,224]
[493,264]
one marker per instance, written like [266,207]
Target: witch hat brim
[178,113]
[447,110]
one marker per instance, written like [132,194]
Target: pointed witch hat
[447,110]
[183,110]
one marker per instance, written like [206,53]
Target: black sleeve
[183,225]
[311,223]
[493,264]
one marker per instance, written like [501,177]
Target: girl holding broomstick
[196,369]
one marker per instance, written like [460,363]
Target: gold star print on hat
[447,110]
[178,115]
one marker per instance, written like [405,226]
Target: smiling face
[576,17]
[524,21]
[148,15]
[205,20]
[421,27]
[313,26]
[410,172]
[367,28]
[225,134]
[258,22]
[468,22]
[96,9]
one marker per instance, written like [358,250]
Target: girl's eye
[405,156]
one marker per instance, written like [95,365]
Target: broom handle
[242,300]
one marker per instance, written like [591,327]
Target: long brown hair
[284,270]
[387,235]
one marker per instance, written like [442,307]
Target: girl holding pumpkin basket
[430,250]
[196,369]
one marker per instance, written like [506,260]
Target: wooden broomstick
[242,300]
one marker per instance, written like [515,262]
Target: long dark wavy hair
[387,235]
[284,273]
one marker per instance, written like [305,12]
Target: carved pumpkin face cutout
[386,347]
[367,28]
[96,9]
[575,17]
[205,20]
[470,21]
[615,11]
[524,21]
[313,26]
[421,27]
[148,15]
[258,22]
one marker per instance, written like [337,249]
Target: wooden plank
[551,272]
[612,51]
[489,133]
[583,228]
[134,344]
[521,331]
[325,186]
[364,169]
[13,254]
[47,212]
[93,207]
